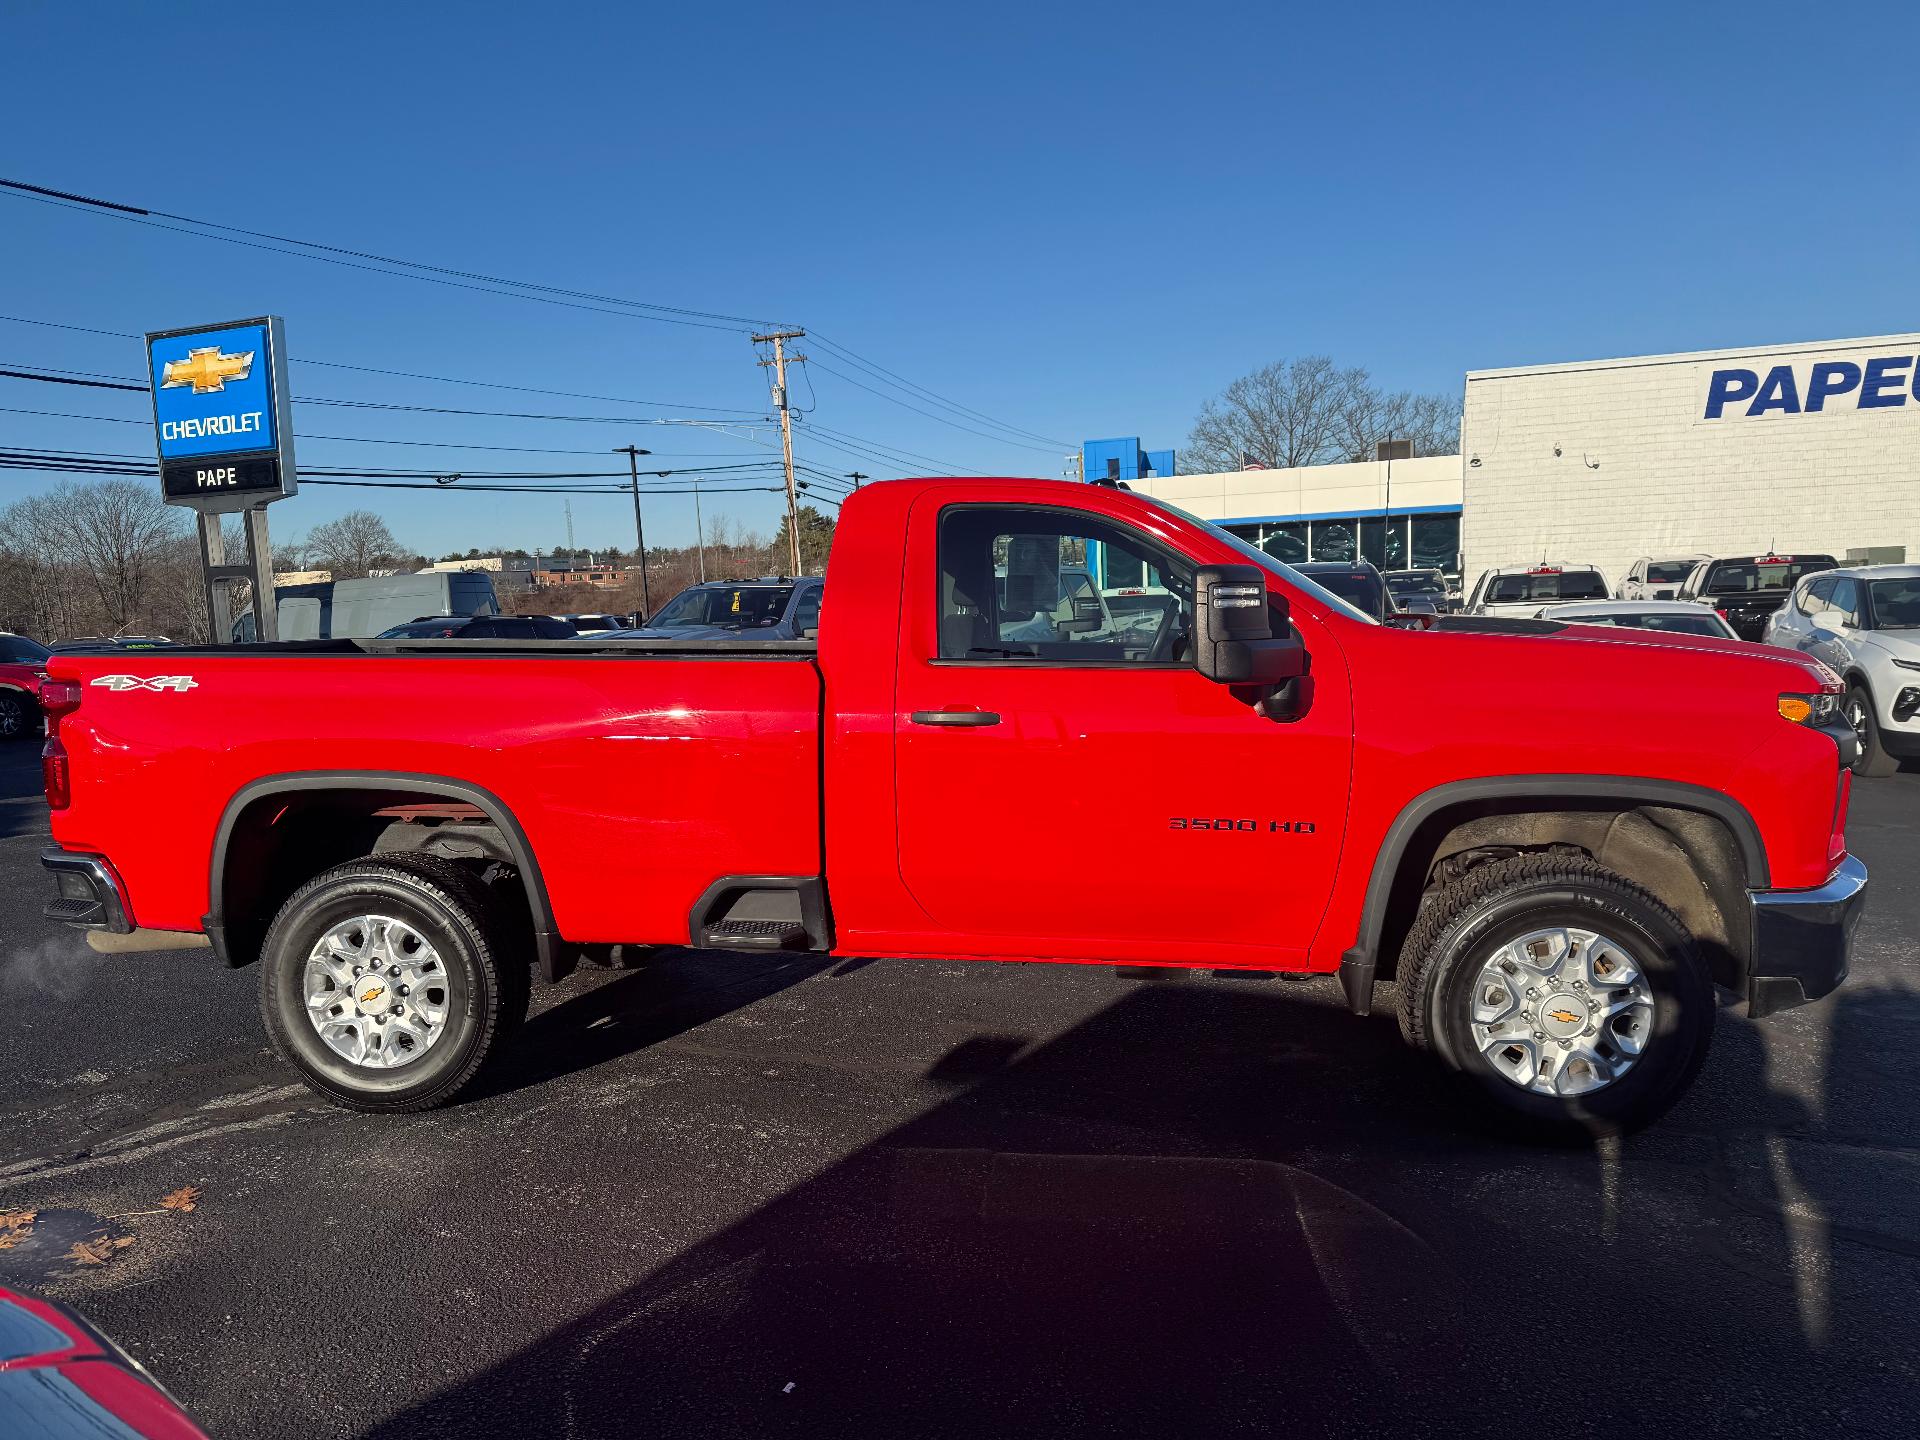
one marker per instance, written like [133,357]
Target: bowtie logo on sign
[1885,382]
[206,370]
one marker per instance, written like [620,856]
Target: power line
[403,269]
[997,439]
[889,377]
[406,374]
[128,384]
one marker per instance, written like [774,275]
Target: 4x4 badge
[176,683]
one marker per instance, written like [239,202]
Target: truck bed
[638,784]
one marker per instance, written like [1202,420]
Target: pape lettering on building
[1882,383]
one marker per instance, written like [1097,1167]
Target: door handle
[955,717]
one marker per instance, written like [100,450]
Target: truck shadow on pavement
[1207,1209]
[680,991]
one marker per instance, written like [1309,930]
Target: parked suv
[1864,622]
[1418,592]
[1653,578]
[1520,590]
[23,669]
[1746,589]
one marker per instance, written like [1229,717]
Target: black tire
[19,716]
[454,910]
[1496,903]
[1874,762]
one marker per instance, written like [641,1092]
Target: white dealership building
[1811,447]
[1794,448]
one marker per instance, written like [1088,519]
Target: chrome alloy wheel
[376,992]
[1562,1011]
[1857,718]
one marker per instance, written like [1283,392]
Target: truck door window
[1029,584]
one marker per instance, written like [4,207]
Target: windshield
[1416,582]
[739,607]
[1257,556]
[1896,603]
[1770,577]
[18,650]
[1705,623]
[1669,572]
[1557,585]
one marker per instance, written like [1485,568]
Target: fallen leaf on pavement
[99,1250]
[15,1226]
[185,1198]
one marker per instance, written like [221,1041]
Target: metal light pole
[699,531]
[633,454]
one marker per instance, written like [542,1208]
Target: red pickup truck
[1555,839]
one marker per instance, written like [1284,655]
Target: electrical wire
[398,269]
[408,374]
[888,376]
[971,430]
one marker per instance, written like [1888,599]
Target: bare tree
[114,532]
[1309,411]
[358,542]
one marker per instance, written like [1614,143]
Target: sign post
[223,430]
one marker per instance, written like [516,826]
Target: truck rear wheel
[387,984]
[1569,996]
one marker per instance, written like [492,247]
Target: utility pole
[779,364]
[633,454]
[699,531]
[856,477]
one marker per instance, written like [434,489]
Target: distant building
[302,577]
[580,572]
[1122,459]
[492,563]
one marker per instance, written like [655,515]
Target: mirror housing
[1233,639]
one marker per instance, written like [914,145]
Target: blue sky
[1079,220]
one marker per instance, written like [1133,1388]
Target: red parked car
[1557,838]
[23,668]
[59,1377]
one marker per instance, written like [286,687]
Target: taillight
[57,698]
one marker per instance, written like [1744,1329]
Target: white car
[1658,577]
[1518,590]
[1675,617]
[1864,622]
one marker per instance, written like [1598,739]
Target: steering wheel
[1167,640]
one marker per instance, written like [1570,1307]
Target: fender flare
[1357,964]
[546,936]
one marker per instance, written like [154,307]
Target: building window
[1383,542]
[1332,540]
[1286,543]
[1436,542]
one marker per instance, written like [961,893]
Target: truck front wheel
[387,984]
[1568,995]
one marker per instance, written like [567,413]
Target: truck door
[1067,784]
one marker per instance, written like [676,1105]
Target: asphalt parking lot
[760,1197]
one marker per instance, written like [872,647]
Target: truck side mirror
[1233,639]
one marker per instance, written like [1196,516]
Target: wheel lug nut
[393,970]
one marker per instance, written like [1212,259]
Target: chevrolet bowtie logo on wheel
[179,684]
[1565,1017]
[207,371]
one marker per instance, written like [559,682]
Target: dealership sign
[220,414]
[1821,387]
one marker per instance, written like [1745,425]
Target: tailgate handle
[955,717]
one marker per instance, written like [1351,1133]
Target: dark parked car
[770,608]
[1747,589]
[1418,592]
[23,669]
[481,627]
[1356,582]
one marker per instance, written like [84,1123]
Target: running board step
[757,935]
